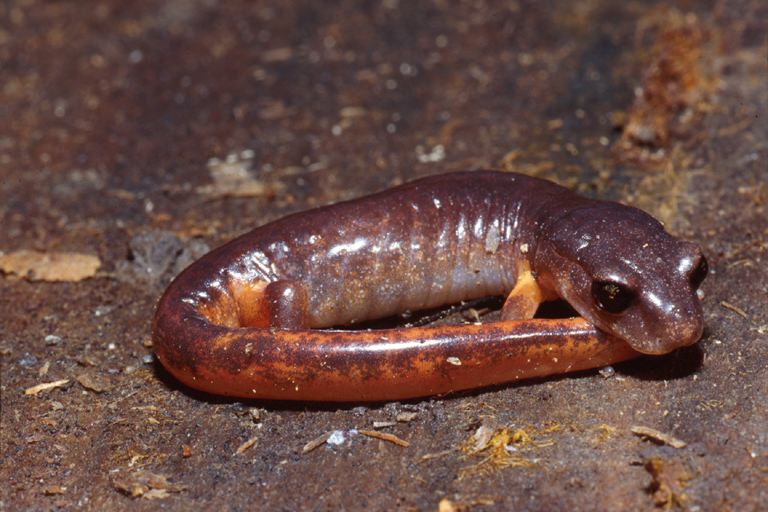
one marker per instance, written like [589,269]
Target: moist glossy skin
[237,322]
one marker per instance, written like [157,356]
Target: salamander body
[244,319]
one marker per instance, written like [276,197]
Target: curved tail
[328,365]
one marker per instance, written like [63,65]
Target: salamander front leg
[524,300]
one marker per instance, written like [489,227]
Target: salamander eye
[612,297]
[699,273]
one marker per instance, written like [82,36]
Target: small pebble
[608,372]
[52,339]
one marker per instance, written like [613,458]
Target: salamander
[255,318]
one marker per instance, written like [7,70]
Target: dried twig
[386,437]
[659,436]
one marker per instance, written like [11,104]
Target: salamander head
[624,274]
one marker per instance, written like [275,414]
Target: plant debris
[482,436]
[50,266]
[675,45]
[734,308]
[668,481]
[233,177]
[437,455]
[659,436]
[52,490]
[316,442]
[42,387]
[502,448]
[147,485]
[93,382]
[386,437]
[246,445]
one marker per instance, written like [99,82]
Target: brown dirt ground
[113,111]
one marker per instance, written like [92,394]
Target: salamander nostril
[699,273]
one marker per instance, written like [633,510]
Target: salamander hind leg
[524,300]
[287,304]
[280,304]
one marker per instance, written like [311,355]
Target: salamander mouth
[664,345]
